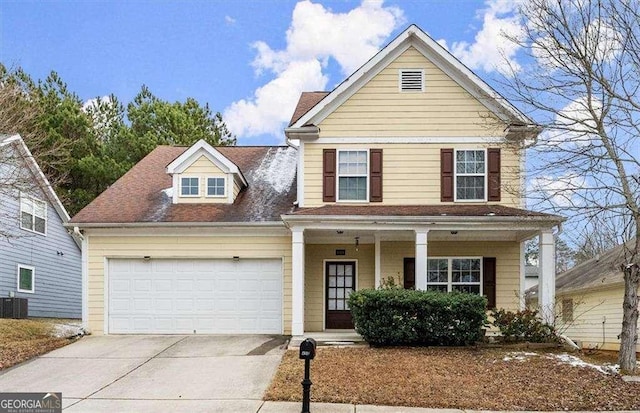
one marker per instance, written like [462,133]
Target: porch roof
[422,211]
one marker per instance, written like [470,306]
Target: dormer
[202,175]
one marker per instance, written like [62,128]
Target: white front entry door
[181,296]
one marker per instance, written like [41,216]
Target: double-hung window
[33,215]
[26,275]
[189,186]
[216,187]
[353,174]
[470,169]
[454,274]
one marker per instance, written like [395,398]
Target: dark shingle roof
[141,194]
[307,101]
[423,211]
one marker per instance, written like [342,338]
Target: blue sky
[235,55]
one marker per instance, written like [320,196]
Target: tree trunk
[629,334]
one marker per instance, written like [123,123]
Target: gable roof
[203,148]
[43,182]
[307,101]
[432,50]
[600,271]
[143,196]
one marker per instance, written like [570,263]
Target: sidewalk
[295,407]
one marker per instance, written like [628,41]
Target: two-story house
[39,259]
[410,169]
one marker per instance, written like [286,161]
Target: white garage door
[195,296]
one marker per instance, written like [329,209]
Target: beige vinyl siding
[203,168]
[411,172]
[380,109]
[507,255]
[214,246]
[236,189]
[315,255]
[590,309]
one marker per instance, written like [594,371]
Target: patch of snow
[518,356]
[68,330]
[277,169]
[168,192]
[576,362]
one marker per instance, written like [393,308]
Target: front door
[409,273]
[340,281]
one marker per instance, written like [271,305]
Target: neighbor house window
[470,175]
[189,186]
[454,274]
[353,173]
[33,215]
[26,276]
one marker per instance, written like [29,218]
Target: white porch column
[376,270]
[421,259]
[523,282]
[297,281]
[547,277]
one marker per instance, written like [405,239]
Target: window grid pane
[352,175]
[470,174]
[215,186]
[190,186]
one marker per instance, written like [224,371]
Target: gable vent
[411,80]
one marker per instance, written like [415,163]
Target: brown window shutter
[489,281]
[493,167]
[375,175]
[446,175]
[329,175]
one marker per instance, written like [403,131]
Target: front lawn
[461,378]
[21,340]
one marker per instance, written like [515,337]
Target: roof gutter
[303,133]
[384,219]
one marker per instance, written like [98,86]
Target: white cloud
[92,104]
[574,125]
[490,48]
[316,34]
[229,20]
[560,191]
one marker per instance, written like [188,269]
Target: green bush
[524,325]
[394,317]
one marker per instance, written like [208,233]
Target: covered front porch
[334,255]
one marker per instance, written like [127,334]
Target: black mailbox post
[307,353]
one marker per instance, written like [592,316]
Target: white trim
[413,36]
[85,281]
[455,174]
[33,201]
[324,284]
[338,200]
[297,281]
[300,172]
[354,140]
[224,186]
[421,258]
[180,187]
[406,69]
[176,187]
[218,232]
[33,278]
[522,276]
[377,261]
[202,148]
[106,286]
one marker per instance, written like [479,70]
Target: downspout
[85,277]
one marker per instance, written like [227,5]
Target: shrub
[394,316]
[523,325]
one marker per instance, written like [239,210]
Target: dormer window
[411,80]
[189,186]
[216,187]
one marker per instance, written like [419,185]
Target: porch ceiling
[367,236]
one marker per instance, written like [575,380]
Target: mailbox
[308,349]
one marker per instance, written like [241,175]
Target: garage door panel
[205,296]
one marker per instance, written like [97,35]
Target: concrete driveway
[154,373]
